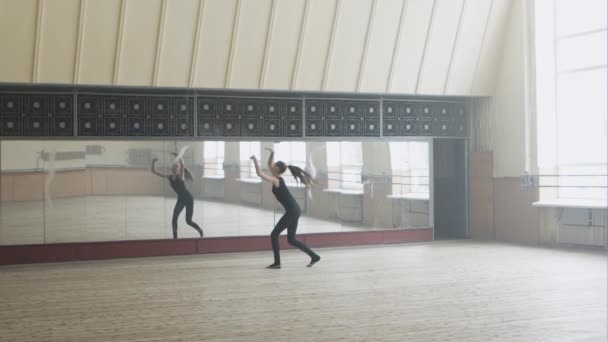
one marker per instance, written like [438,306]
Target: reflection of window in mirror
[213,159]
[246,150]
[291,153]
[344,165]
[409,167]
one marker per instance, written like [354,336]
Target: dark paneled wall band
[408,118]
[83,111]
[135,116]
[342,118]
[249,117]
[37,114]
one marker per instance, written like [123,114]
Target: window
[409,167]
[571,86]
[246,150]
[291,153]
[213,158]
[344,165]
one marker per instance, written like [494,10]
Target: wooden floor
[441,291]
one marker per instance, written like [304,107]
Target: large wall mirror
[77,191]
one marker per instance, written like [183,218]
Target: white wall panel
[509,126]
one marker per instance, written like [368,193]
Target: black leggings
[179,206]
[289,221]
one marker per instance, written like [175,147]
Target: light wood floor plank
[441,291]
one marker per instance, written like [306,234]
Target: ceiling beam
[36,66]
[269,31]
[331,44]
[370,27]
[303,26]
[483,43]
[159,41]
[426,44]
[197,37]
[397,47]
[121,27]
[454,46]
[235,29]
[80,35]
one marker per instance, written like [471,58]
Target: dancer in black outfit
[290,219]
[184,198]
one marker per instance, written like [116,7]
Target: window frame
[246,166]
[409,179]
[344,175]
[216,171]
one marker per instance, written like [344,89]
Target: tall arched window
[571,87]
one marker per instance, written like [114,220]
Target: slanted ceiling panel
[177,43]
[138,42]
[318,33]
[214,43]
[493,40]
[99,42]
[410,46]
[346,54]
[381,46]
[282,49]
[446,47]
[18,26]
[439,50]
[468,46]
[58,40]
[250,39]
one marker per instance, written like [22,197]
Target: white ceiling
[398,46]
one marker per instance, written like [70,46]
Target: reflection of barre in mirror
[177,180]
[291,217]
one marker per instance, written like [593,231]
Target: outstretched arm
[181,167]
[271,179]
[185,174]
[270,158]
[154,171]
